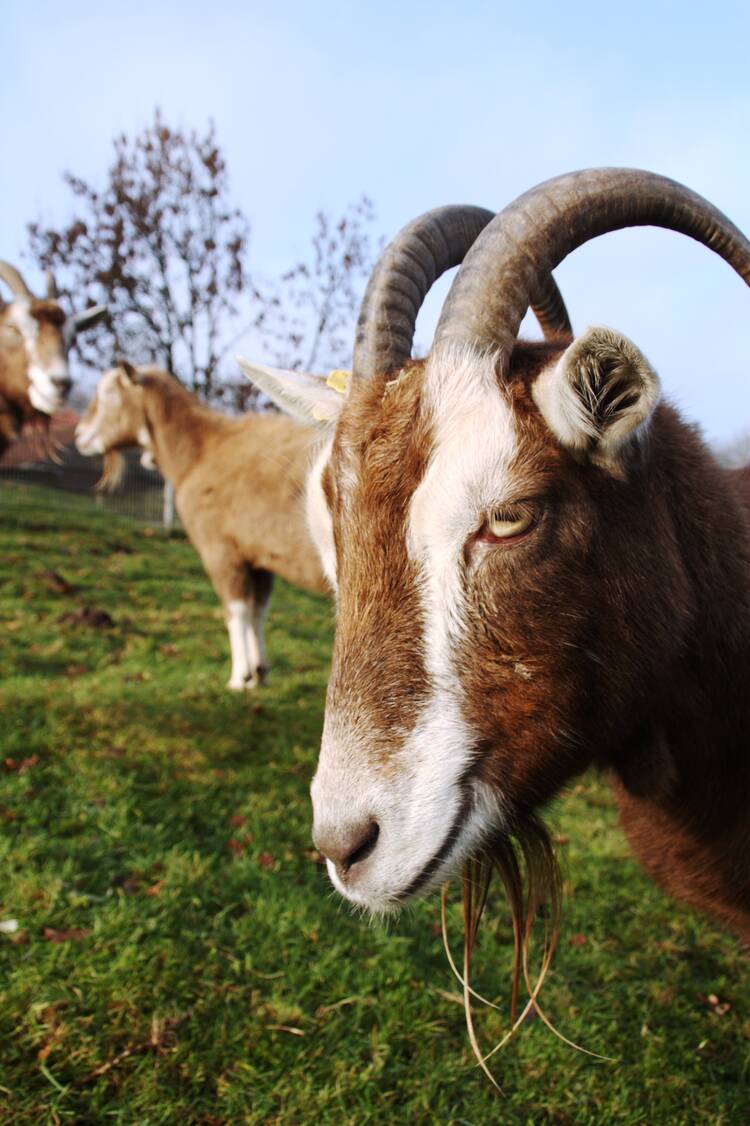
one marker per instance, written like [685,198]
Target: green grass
[180,957]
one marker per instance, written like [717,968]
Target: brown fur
[617,635]
[378,598]
[238,482]
[15,405]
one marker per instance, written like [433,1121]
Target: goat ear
[128,369]
[312,399]
[600,392]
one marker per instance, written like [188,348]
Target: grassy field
[179,957]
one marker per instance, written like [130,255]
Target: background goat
[539,566]
[35,337]
[239,485]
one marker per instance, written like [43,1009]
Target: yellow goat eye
[503,526]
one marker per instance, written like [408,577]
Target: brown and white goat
[239,490]
[35,337]
[539,566]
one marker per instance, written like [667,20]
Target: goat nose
[63,383]
[347,845]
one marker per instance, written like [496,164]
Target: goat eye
[503,526]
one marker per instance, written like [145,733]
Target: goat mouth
[88,444]
[450,841]
[44,401]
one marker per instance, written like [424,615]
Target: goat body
[239,490]
[682,774]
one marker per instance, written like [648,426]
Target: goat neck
[177,424]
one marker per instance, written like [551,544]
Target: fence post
[168,506]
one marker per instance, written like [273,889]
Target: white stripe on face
[43,393]
[418,797]
[92,432]
[475,446]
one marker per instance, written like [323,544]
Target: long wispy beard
[113,471]
[528,868]
[43,444]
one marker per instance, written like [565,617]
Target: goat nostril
[363,848]
[347,844]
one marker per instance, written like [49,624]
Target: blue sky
[419,104]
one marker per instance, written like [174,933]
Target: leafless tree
[309,315]
[162,246]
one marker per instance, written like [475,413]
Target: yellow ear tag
[339,381]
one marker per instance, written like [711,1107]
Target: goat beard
[528,869]
[113,471]
[42,442]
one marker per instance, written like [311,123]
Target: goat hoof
[251,680]
[255,678]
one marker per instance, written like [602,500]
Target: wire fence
[71,476]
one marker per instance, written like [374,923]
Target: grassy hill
[178,955]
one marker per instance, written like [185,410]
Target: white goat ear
[600,392]
[313,399]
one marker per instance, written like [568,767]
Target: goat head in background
[35,337]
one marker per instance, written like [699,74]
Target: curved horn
[15,283]
[51,286]
[533,235]
[405,271]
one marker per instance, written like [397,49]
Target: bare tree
[309,316]
[162,246]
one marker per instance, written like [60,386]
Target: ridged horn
[532,236]
[422,251]
[51,286]
[15,283]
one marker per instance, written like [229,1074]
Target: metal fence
[140,496]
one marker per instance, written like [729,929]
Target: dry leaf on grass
[90,616]
[159,1037]
[57,582]
[73,934]
[20,766]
